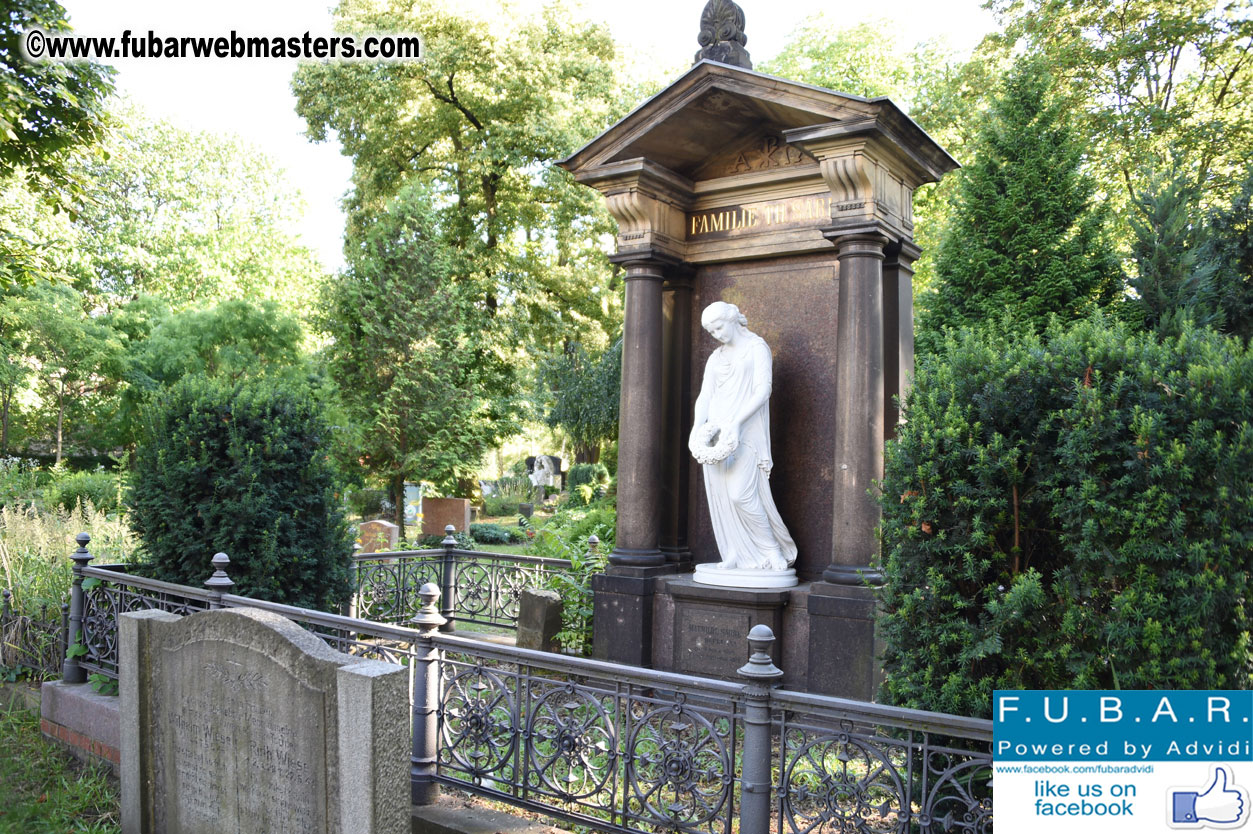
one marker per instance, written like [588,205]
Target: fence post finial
[760,667]
[593,543]
[424,790]
[756,785]
[71,670]
[219,583]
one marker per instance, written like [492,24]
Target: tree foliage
[1071,511]
[1145,77]
[585,391]
[242,469]
[1025,239]
[189,217]
[46,109]
[419,364]
[479,123]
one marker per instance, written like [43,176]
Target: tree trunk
[4,421]
[398,499]
[587,454]
[60,422]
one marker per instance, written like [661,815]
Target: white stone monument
[731,440]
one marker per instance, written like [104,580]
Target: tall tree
[479,122]
[189,217]
[419,366]
[584,393]
[1228,252]
[1025,239]
[47,110]
[1172,282]
[68,350]
[1145,76]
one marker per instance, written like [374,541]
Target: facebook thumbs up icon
[1222,804]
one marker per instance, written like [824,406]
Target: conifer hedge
[1070,511]
[242,469]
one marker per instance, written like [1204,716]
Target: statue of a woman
[731,439]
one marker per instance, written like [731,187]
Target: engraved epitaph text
[229,746]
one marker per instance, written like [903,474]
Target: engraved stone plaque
[711,640]
[230,722]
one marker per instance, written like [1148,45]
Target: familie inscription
[231,723]
[768,215]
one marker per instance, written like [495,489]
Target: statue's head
[723,321]
[722,311]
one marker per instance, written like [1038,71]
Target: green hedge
[586,473]
[484,533]
[244,470]
[1070,511]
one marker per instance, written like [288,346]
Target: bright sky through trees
[253,99]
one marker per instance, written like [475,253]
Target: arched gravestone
[239,720]
[794,203]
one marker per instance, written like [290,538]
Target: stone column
[676,375]
[859,413]
[842,647]
[898,330]
[623,595]
[640,420]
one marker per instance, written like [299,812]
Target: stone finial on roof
[722,36]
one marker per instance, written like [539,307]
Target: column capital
[649,202]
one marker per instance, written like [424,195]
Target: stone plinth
[239,720]
[706,625]
[710,574]
[539,619]
[438,513]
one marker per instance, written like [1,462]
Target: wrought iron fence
[617,748]
[477,587]
[32,644]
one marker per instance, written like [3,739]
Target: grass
[45,791]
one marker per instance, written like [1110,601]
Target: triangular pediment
[711,114]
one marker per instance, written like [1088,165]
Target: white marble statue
[542,473]
[731,439]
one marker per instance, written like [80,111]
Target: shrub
[431,540]
[587,473]
[371,503]
[242,469]
[565,537]
[496,534]
[70,489]
[19,481]
[1071,511]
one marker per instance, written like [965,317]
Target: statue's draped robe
[746,524]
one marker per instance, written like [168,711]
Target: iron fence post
[448,580]
[71,670]
[219,583]
[423,762]
[755,781]
[63,639]
[355,579]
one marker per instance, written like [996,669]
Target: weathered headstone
[539,619]
[239,720]
[378,535]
